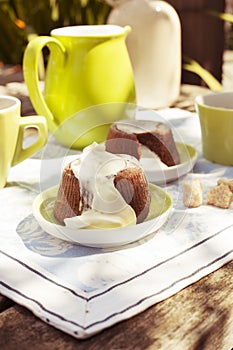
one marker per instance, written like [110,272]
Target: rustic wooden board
[200,317]
[5,303]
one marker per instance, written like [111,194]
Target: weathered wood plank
[203,35]
[5,303]
[200,317]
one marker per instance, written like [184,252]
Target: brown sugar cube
[192,193]
[228,182]
[220,196]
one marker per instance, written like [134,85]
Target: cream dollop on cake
[139,126]
[100,190]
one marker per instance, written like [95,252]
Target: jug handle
[31,75]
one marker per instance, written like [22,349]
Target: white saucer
[159,173]
[161,205]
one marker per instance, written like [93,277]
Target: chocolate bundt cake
[99,181]
[127,136]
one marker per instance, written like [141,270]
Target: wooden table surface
[200,317]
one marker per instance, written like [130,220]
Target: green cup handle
[31,76]
[40,124]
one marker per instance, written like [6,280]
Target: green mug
[12,127]
[88,65]
[215,112]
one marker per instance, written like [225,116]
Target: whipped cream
[140,126]
[95,169]
[150,161]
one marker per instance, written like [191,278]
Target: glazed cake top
[141,126]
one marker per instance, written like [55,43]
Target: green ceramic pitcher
[88,66]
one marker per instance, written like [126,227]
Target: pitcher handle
[31,75]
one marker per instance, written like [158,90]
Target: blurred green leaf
[224,16]
[194,67]
[19,19]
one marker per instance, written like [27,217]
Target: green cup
[215,112]
[12,127]
[88,65]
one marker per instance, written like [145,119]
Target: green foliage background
[21,19]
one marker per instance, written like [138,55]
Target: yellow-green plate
[159,173]
[161,205]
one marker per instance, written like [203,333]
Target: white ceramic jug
[154,47]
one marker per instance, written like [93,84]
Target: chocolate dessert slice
[127,136]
